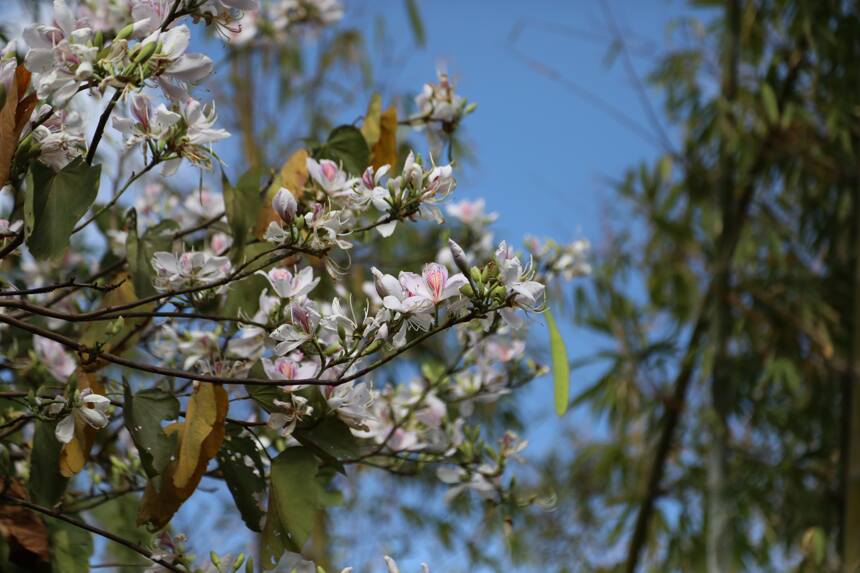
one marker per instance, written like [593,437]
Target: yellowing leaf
[200,438]
[293,176]
[384,151]
[74,455]
[370,127]
[207,410]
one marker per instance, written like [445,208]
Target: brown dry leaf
[74,455]
[293,176]
[200,438]
[8,140]
[22,529]
[384,152]
[13,118]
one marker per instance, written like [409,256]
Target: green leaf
[332,437]
[768,99]
[71,546]
[118,516]
[143,414]
[415,22]
[346,145]
[560,365]
[242,204]
[239,460]
[46,483]
[139,251]
[54,202]
[294,496]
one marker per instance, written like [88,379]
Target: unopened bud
[285,205]
[475,273]
[459,256]
[470,108]
[145,53]
[467,290]
[499,293]
[373,346]
[125,33]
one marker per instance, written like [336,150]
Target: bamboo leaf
[560,365]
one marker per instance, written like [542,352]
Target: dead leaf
[384,152]
[24,532]
[73,456]
[293,176]
[200,438]
[14,116]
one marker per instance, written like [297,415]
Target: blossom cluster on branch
[258,320]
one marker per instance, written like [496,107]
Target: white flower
[7,228]
[292,409]
[434,284]
[438,102]
[331,178]
[145,123]
[53,355]
[188,269]
[301,328]
[286,285]
[285,368]
[351,402]
[91,410]
[471,212]
[171,61]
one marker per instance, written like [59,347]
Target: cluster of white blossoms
[277,21]
[439,103]
[272,302]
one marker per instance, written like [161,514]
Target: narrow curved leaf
[560,365]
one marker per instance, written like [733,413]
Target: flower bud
[467,290]
[125,33]
[459,256]
[475,273]
[499,293]
[145,53]
[285,205]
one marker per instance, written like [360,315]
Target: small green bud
[467,290]
[216,561]
[125,33]
[145,53]
[99,39]
[475,273]
[249,565]
[499,293]
[237,563]
[374,346]
[470,108]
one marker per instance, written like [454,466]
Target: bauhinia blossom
[90,409]
[191,268]
[287,285]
